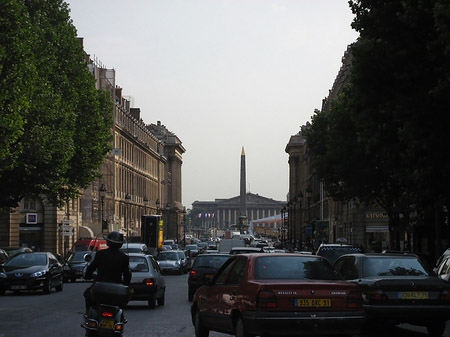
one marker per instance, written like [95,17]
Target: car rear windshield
[78,256]
[27,260]
[293,267]
[210,261]
[393,266]
[138,264]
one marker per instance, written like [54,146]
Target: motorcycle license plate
[106,324]
[312,303]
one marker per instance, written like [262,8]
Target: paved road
[59,314]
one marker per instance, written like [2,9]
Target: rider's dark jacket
[111,264]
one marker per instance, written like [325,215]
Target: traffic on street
[60,313]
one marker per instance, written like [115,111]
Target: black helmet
[114,239]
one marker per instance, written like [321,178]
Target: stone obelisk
[243,194]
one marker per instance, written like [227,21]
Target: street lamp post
[127,211]
[157,206]
[308,197]
[102,191]
[184,225]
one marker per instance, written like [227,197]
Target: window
[222,273]
[237,272]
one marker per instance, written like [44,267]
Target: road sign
[66,233]
[66,228]
[67,221]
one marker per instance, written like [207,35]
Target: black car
[75,264]
[203,270]
[398,288]
[32,271]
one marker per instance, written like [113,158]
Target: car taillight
[266,299]
[376,295]
[354,300]
[107,314]
[445,295]
[149,281]
[193,274]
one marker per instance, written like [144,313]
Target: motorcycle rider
[112,265]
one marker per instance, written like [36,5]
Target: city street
[60,314]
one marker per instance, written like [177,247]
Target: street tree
[55,126]
[390,123]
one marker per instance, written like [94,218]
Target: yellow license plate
[209,276]
[312,302]
[413,295]
[106,324]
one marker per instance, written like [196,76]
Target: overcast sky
[222,74]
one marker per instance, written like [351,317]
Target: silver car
[147,282]
[170,262]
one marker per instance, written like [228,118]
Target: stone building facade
[314,217]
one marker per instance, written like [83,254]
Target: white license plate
[18,287]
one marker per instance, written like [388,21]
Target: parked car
[398,288]
[277,294]
[75,264]
[331,251]
[147,282]
[32,271]
[203,270]
[170,262]
[11,251]
[442,257]
[185,262]
[140,248]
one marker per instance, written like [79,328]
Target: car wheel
[47,287]
[60,286]
[436,329]
[2,292]
[200,330]
[152,301]
[180,271]
[240,329]
[74,279]
[161,300]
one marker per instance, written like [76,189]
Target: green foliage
[54,124]
[385,138]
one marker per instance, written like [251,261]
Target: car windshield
[138,264]
[332,253]
[167,256]
[78,256]
[191,247]
[393,266]
[210,261]
[27,260]
[293,267]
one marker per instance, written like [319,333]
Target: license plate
[413,295]
[106,324]
[18,287]
[209,276]
[312,302]
[131,290]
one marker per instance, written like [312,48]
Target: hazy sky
[222,74]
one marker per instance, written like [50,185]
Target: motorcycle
[105,317]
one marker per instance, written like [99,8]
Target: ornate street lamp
[102,191]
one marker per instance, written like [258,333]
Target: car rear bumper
[408,313]
[140,291]
[304,323]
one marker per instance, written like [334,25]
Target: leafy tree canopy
[55,126]
[385,137]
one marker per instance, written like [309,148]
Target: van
[91,244]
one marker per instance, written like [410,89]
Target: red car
[274,294]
